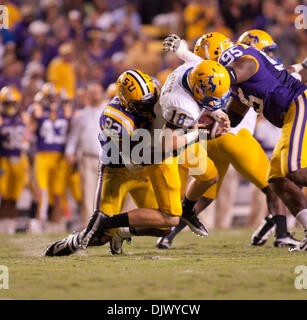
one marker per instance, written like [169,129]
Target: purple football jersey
[11,136]
[117,123]
[51,134]
[270,90]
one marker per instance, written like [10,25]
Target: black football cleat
[163,243]
[94,228]
[263,232]
[166,242]
[194,224]
[64,247]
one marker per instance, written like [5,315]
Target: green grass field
[221,266]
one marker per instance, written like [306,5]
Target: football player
[239,148]
[13,162]
[260,82]
[128,111]
[261,40]
[48,121]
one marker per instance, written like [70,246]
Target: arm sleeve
[185,54]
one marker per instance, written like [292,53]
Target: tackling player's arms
[236,111]
[240,70]
[173,139]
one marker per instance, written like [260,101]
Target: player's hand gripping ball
[213,127]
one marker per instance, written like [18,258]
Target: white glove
[171,43]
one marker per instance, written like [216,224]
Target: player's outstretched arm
[174,43]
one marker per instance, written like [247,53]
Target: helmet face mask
[10,108]
[143,108]
[207,102]
[213,103]
[50,101]
[49,97]
[270,50]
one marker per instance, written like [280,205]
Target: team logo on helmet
[210,85]
[254,39]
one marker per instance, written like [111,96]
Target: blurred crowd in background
[72,43]
[83,46]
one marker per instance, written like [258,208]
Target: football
[212,125]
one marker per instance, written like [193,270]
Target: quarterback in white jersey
[179,107]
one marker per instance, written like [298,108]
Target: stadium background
[75,43]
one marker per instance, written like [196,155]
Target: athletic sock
[301,217]
[116,221]
[176,230]
[188,205]
[281,225]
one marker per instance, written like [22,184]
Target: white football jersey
[177,104]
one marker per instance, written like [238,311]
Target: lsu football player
[129,110]
[260,82]
[239,148]
[13,163]
[48,121]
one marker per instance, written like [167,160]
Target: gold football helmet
[258,39]
[48,96]
[211,45]
[210,84]
[137,92]
[10,99]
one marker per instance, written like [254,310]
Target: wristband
[232,75]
